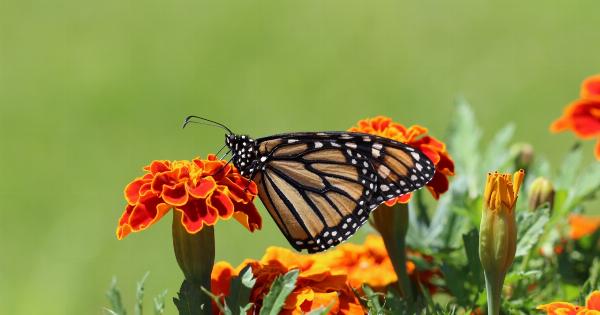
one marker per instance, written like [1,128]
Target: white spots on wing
[349,152]
[334,233]
[366,139]
[318,144]
[384,187]
[410,149]
[292,140]
[419,166]
[415,155]
[345,136]
[377,146]
[375,153]
[413,178]
[351,145]
[402,183]
[353,161]
[366,164]
[263,158]
[335,144]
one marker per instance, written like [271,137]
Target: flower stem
[195,255]
[392,224]
[493,285]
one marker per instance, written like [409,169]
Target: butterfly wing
[320,187]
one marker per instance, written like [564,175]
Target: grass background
[90,91]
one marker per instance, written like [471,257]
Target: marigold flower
[583,115]
[316,286]
[592,306]
[498,232]
[370,263]
[415,136]
[582,225]
[203,191]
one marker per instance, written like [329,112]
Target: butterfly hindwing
[320,187]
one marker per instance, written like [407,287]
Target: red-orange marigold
[370,263]
[415,136]
[583,115]
[316,286]
[592,306]
[202,190]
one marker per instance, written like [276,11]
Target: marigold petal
[221,278]
[438,185]
[144,214]
[175,195]
[592,302]
[159,166]
[582,225]
[248,216]
[559,308]
[591,87]
[132,190]
[561,124]
[203,188]
[222,204]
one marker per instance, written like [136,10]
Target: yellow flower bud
[541,192]
[498,232]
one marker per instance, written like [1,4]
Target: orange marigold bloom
[316,286]
[582,225]
[583,115]
[370,264]
[592,306]
[415,136]
[202,190]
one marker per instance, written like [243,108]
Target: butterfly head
[244,150]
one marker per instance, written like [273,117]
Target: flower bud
[540,193]
[523,153]
[498,232]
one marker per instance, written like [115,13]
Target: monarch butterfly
[319,187]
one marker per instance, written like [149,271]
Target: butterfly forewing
[320,187]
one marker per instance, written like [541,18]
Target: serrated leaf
[159,303]
[372,300]
[139,295]
[239,293]
[114,297]
[569,167]
[531,226]
[497,153]
[463,143]
[191,301]
[280,290]
[471,241]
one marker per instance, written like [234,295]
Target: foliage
[116,304]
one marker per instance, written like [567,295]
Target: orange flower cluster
[324,278]
[417,137]
[582,225]
[202,190]
[316,286]
[583,115]
[370,264]
[592,307]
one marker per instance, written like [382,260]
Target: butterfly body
[320,187]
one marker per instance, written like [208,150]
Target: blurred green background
[90,91]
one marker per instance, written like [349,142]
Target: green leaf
[114,297]
[372,300]
[139,295]
[159,303]
[569,167]
[223,308]
[497,153]
[517,276]
[531,226]
[190,300]
[463,146]
[239,293]
[280,290]
[471,241]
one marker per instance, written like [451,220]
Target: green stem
[493,285]
[195,255]
[392,224]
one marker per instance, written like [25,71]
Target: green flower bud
[498,232]
[541,192]
[524,154]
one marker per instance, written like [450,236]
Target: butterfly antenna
[224,155]
[189,120]
[221,149]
